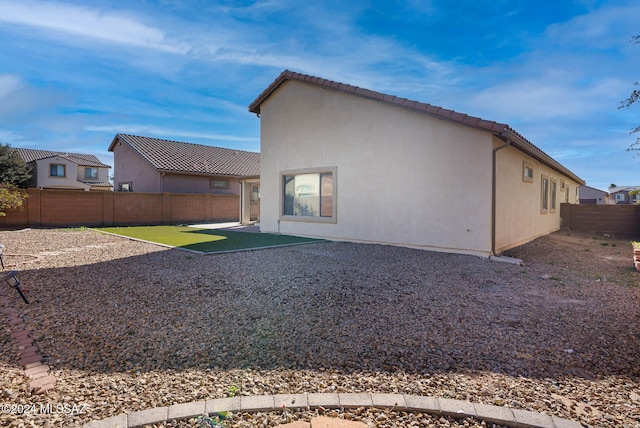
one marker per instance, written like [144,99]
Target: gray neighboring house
[146,164]
[620,194]
[592,196]
[66,171]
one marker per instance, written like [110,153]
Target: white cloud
[544,97]
[601,28]
[87,22]
[168,133]
[9,83]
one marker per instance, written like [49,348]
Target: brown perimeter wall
[70,208]
[618,220]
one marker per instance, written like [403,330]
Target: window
[255,193]
[57,170]
[218,183]
[619,197]
[91,173]
[309,195]
[527,172]
[126,187]
[553,195]
[544,195]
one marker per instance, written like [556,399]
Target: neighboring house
[67,171]
[620,194]
[145,164]
[589,195]
[346,163]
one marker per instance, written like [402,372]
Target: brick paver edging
[515,418]
[28,355]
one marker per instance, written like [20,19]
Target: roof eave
[526,146]
[254,107]
[205,174]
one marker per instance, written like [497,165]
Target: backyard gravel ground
[126,326]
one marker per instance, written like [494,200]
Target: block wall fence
[618,220]
[70,208]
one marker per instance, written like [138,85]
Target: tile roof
[622,188]
[96,183]
[32,155]
[181,157]
[500,129]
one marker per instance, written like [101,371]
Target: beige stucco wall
[403,177]
[518,203]
[69,181]
[103,174]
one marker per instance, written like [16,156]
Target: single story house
[145,164]
[345,163]
[621,195]
[67,171]
[591,195]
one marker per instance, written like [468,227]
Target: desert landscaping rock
[128,326]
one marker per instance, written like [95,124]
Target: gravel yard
[127,326]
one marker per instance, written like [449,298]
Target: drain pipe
[493,196]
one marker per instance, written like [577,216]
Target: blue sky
[74,73]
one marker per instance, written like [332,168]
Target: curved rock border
[515,418]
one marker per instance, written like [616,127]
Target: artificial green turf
[205,240]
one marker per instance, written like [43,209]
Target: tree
[14,173]
[628,102]
[10,198]
[13,169]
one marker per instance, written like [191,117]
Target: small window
[527,172]
[255,194]
[620,197]
[218,183]
[544,195]
[57,170]
[91,173]
[553,195]
[126,187]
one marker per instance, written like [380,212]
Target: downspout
[493,196]
[162,182]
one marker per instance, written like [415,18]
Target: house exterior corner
[346,163]
[391,175]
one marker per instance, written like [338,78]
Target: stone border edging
[29,356]
[515,418]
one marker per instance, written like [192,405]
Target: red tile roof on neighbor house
[189,158]
[501,130]
[32,155]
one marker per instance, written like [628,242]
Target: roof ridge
[190,158]
[502,130]
[182,142]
